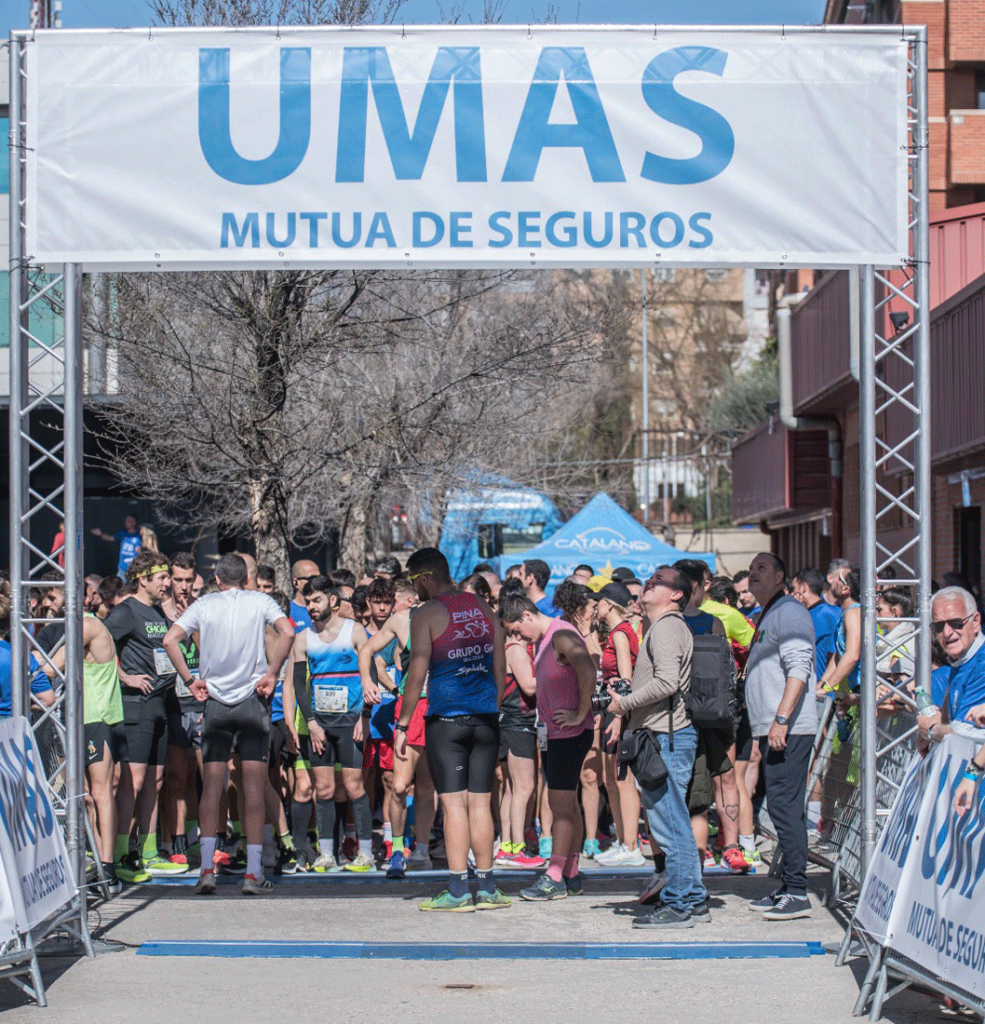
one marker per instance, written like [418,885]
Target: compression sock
[300,819]
[363,815]
[486,883]
[208,852]
[748,843]
[398,844]
[555,871]
[253,855]
[326,823]
[122,847]
[458,884]
[181,844]
[571,866]
[387,832]
[148,847]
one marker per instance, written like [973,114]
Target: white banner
[32,848]
[485,146]
[922,896]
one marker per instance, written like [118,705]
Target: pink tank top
[557,686]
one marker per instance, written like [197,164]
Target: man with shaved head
[301,573]
[251,571]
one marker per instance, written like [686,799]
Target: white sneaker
[626,859]
[607,856]
[326,862]
[361,862]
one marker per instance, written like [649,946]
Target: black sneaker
[767,902]
[664,917]
[287,862]
[236,865]
[788,907]
[701,914]
[575,886]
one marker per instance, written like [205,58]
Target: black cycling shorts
[518,742]
[278,741]
[562,766]
[145,721]
[242,728]
[743,737]
[340,747]
[462,752]
[97,736]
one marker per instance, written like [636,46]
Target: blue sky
[136,13]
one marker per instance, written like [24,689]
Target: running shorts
[98,735]
[378,754]
[242,728]
[716,743]
[278,740]
[743,737]
[146,724]
[340,748]
[415,730]
[185,730]
[462,752]
[564,759]
[518,742]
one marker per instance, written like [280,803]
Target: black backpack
[712,698]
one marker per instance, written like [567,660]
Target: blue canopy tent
[492,518]
[604,536]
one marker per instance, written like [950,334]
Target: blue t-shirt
[546,605]
[300,617]
[39,681]
[963,686]
[826,618]
[129,549]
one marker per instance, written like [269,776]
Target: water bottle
[925,703]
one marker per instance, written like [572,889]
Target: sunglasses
[657,582]
[418,575]
[937,626]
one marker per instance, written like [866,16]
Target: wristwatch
[401,728]
[781,720]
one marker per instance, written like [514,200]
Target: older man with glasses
[957,625]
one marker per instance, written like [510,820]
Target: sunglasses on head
[937,626]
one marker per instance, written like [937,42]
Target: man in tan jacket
[660,680]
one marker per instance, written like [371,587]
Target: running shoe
[113,885]
[505,858]
[752,858]
[492,900]
[220,859]
[650,893]
[545,888]
[129,869]
[701,914]
[387,849]
[178,858]
[590,848]
[545,846]
[236,865]
[625,858]
[287,862]
[527,860]
[664,917]
[710,861]
[160,867]
[419,860]
[767,902]
[733,858]
[575,886]
[398,866]
[323,863]
[607,856]
[451,904]
[256,886]
[205,885]
[361,862]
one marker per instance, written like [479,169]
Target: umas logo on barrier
[25,810]
[953,851]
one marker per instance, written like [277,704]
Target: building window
[980,90]
[716,275]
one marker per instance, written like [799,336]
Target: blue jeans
[670,823]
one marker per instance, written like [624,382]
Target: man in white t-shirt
[236,681]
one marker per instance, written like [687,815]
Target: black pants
[785,775]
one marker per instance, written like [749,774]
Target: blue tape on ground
[489,950]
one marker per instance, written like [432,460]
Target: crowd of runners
[241,724]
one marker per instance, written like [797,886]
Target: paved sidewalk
[132,989]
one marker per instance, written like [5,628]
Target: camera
[602,699]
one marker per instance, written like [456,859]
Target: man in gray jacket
[780,678]
[660,679]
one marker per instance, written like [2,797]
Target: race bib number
[163,666]
[542,735]
[331,700]
[180,689]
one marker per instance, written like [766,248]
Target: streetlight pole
[646,406]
